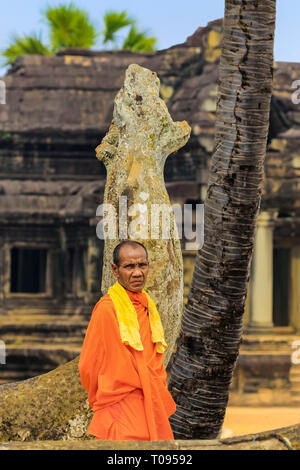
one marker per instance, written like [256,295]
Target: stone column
[294,290]
[94,273]
[261,294]
[247,305]
[2,310]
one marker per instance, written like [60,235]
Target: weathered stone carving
[134,152]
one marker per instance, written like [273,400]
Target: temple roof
[74,90]
[59,107]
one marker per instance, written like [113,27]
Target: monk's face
[133,268]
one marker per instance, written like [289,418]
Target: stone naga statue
[54,406]
[134,151]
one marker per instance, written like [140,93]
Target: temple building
[58,109]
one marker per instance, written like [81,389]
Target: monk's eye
[129,266]
[143,265]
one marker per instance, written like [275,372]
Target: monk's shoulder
[104,308]
[105,299]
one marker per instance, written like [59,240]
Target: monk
[121,362]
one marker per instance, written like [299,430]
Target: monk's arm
[107,367]
[92,351]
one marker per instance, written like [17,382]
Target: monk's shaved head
[132,243]
[131,265]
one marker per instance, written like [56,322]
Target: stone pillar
[203,191]
[247,305]
[261,295]
[189,258]
[294,290]
[2,312]
[94,273]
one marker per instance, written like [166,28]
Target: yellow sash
[128,321]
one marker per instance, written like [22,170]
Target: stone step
[19,340]
[49,325]
[39,332]
[32,347]
[295,379]
[23,363]
[45,316]
[36,342]
[295,388]
[295,398]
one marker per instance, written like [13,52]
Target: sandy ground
[246,420]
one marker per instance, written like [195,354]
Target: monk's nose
[137,273]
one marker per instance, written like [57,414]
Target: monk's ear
[115,269]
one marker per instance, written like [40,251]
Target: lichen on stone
[134,151]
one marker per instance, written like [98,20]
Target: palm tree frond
[138,41]
[24,45]
[70,26]
[113,22]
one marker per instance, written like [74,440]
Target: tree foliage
[25,45]
[139,41]
[71,27]
[113,22]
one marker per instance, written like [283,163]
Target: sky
[171,21]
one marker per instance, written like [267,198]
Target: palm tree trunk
[211,331]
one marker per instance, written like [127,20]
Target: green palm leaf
[138,41]
[70,27]
[24,45]
[113,22]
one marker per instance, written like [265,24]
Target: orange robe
[127,389]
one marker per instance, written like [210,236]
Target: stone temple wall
[58,110]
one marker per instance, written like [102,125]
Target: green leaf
[138,41]
[6,136]
[24,45]
[113,22]
[70,26]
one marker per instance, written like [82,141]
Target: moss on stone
[279,439]
[50,406]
